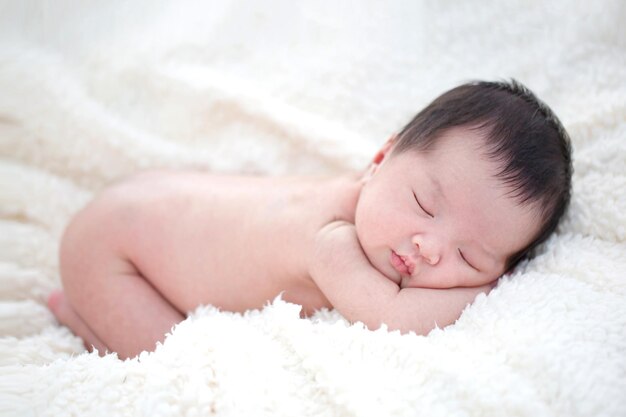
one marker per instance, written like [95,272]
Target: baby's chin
[395,278]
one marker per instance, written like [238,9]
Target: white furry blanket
[89,94]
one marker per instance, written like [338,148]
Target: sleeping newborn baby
[458,197]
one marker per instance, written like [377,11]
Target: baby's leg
[121,308]
[103,287]
[66,315]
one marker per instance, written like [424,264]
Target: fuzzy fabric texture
[92,93]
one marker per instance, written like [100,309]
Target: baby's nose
[427,249]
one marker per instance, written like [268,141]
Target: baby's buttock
[231,242]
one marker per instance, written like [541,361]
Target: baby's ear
[379,157]
[386,148]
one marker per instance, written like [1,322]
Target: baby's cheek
[367,237]
[362,223]
[371,224]
[373,216]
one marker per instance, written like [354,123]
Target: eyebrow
[437,185]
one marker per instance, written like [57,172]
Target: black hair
[521,133]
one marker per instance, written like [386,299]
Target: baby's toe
[55,299]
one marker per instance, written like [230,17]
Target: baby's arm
[361,293]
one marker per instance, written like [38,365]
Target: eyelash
[470,265]
[418,203]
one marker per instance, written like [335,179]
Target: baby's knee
[100,239]
[89,242]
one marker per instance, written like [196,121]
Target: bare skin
[152,248]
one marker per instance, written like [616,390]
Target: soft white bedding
[91,93]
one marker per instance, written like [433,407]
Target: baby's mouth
[401,264]
[410,265]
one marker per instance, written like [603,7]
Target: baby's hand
[336,248]
[362,293]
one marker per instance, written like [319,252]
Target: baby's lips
[409,264]
[397,261]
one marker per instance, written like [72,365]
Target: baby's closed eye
[429,213]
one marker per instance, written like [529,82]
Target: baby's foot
[65,314]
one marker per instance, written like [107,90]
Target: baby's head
[467,189]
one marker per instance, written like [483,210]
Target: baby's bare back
[233,242]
